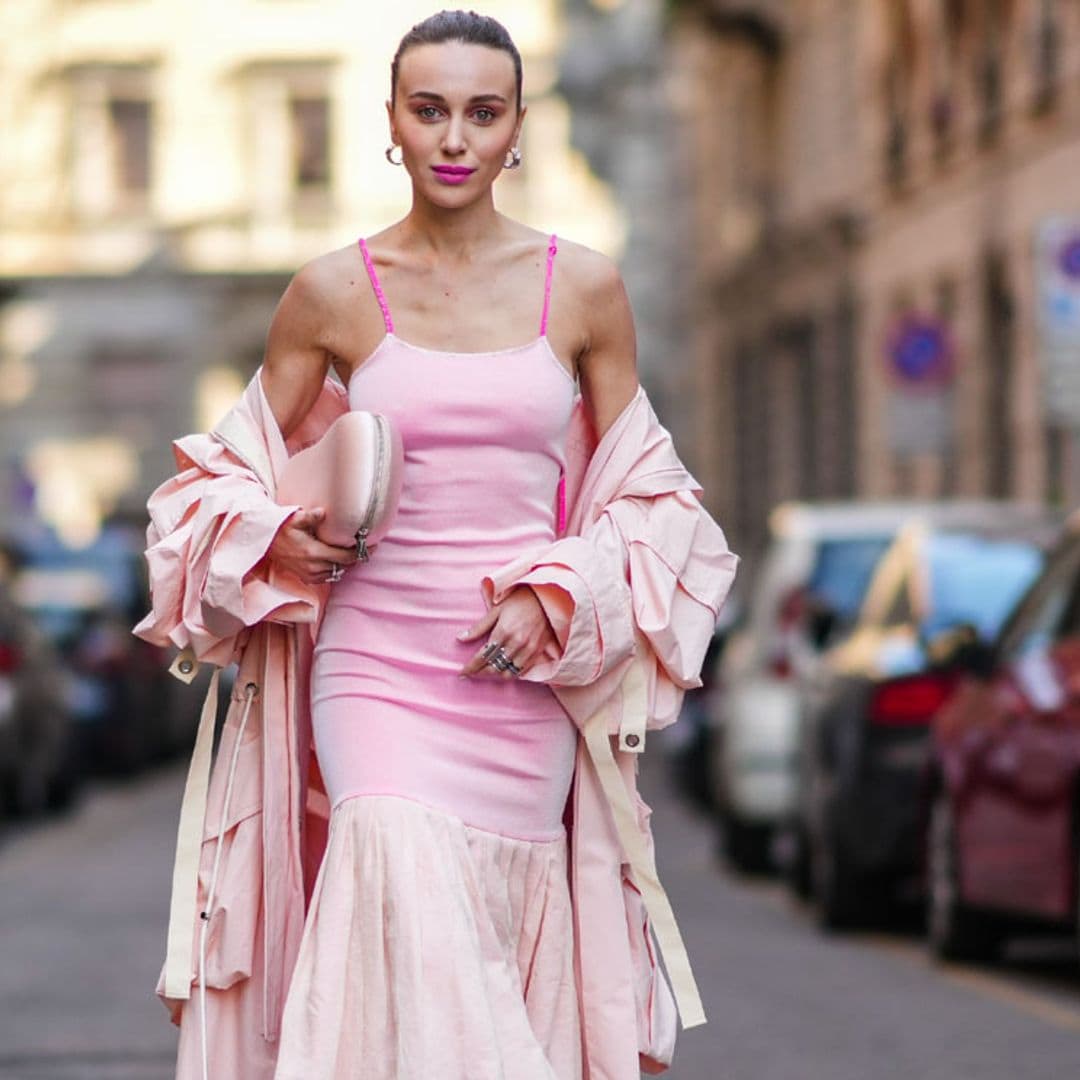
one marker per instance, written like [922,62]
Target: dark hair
[464,26]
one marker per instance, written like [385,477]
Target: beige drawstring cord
[642,866]
[249,695]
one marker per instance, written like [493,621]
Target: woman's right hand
[298,550]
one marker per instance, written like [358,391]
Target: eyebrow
[427,95]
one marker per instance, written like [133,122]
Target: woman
[439,936]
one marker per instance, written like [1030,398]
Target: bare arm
[293,373]
[296,361]
[608,364]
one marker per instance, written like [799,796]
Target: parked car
[85,601]
[687,744]
[1003,842]
[959,568]
[39,767]
[813,576]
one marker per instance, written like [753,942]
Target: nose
[453,141]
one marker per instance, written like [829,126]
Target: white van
[805,596]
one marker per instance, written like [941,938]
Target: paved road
[82,909]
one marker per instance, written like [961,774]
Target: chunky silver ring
[512,668]
[496,657]
[337,573]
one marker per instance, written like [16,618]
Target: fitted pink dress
[439,940]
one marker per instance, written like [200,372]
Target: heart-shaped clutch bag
[354,472]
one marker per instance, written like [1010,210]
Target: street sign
[1058,282]
[919,358]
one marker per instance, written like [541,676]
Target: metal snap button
[632,740]
[186,667]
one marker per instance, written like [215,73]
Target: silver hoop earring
[390,154]
[513,159]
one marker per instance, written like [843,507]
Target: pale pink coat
[633,588]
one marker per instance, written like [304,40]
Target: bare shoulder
[303,335]
[323,280]
[595,276]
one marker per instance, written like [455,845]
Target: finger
[481,627]
[330,553]
[308,519]
[479,664]
[521,660]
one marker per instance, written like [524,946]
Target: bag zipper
[368,519]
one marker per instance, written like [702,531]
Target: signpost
[1058,283]
[920,359]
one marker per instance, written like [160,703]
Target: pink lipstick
[452,174]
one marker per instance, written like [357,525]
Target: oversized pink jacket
[632,589]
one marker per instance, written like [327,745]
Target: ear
[390,118]
[517,126]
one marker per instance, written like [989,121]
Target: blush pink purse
[354,472]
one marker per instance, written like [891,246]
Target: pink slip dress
[439,939]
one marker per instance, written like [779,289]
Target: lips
[452,174]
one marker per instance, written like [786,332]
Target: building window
[998,319]
[310,119]
[898,72]
[112,140]
[129,121]
[290,141]
[989,74]
[1047,50]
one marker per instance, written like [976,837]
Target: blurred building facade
[168,164]
[615,74]
[881,191]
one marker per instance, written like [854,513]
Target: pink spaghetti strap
[374,278]
[552,250]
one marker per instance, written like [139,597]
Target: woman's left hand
[517,624]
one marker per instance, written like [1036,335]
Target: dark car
[85,601]
[1003,843]
[39,767]
[958,570]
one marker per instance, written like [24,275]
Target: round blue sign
[1069,257]
[920,353]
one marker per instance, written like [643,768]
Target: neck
[455,233]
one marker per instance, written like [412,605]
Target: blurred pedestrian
[462,685]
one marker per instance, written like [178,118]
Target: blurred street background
[851,234]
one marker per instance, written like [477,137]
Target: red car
[1003,843]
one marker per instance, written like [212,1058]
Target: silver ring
[337,573]
[495,656]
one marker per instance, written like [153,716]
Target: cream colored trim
[185,665]
[676,961]
[185,879]
[635,697]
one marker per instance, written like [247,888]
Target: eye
[428,112]
[484,115]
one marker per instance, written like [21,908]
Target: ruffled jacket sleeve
[211,526]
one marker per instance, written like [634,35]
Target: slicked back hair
[465,26]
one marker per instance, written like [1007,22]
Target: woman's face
[455,117]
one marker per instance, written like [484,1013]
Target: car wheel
[953,930]
[838,889]
[796,866]
[30,792]
[747,847]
